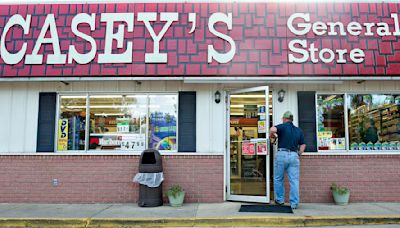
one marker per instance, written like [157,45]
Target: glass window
[330,122]
[118,122]
[71,123]
[130,122]
[163,111]
[374,121]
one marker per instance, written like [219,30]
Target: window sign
[330,122]
[72,123]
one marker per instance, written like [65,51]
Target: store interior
[248,144]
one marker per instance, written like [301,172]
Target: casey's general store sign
[199,39]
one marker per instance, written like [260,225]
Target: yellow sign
[325,134]
[62,134]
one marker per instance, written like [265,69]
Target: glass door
[248,149]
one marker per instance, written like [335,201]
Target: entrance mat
[266,208]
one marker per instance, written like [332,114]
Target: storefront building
[85,88]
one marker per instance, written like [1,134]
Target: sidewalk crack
[387,208]
[101,211]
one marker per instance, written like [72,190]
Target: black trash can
[150,162]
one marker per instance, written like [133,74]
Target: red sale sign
[248,149]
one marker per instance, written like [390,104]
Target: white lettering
[156,56]
[304,53]
[108,56]
[396,24]
[368,27]
[319,28]
[306,26]
[313,50]
[212,53]
[330,54]
[14,58]
[354,28]
[357,55]
[383,29]
[73,53]
[56,57]
[341,53]
[332,31]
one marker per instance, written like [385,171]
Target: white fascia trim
[179,1]
[106,154]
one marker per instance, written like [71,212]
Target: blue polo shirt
[290,137]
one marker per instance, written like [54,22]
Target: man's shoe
[294,207]
[277,203]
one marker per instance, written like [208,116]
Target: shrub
[340,190]
[174,190]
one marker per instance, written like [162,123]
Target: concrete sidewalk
[219,214]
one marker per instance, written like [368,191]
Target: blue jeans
[289,162]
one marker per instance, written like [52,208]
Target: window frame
[348,151]
[87,126]
[345,122]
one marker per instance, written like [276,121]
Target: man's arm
[302,143]
[302,148]
[272,131]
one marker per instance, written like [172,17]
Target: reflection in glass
[374,121]
[71,123]
[118,122]
[163,111]
[330,122]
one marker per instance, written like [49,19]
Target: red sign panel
[200,39]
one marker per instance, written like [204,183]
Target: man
[290,146]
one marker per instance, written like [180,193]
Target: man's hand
[273,137]
[302,148]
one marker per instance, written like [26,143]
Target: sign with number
[133,142]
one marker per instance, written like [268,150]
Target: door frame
[247,198]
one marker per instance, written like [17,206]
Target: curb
[295,221]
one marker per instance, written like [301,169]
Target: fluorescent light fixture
[241,114]
[137,96]
[109,114]
[105,96]
[242,106]
[248,96]
[73,106]
[70,97]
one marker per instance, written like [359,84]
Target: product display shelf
[386,118]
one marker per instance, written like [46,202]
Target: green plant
[174,190]
[340,190]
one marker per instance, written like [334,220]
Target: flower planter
[177,200]
[341,199]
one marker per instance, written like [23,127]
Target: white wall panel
[31,117]
[203,120]
[17,122]
[19,101]
[5,115]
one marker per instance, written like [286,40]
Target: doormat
[266,208]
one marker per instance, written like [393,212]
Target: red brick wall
[102,179]
[259,31]
[371,178]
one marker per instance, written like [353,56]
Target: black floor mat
[266,208]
